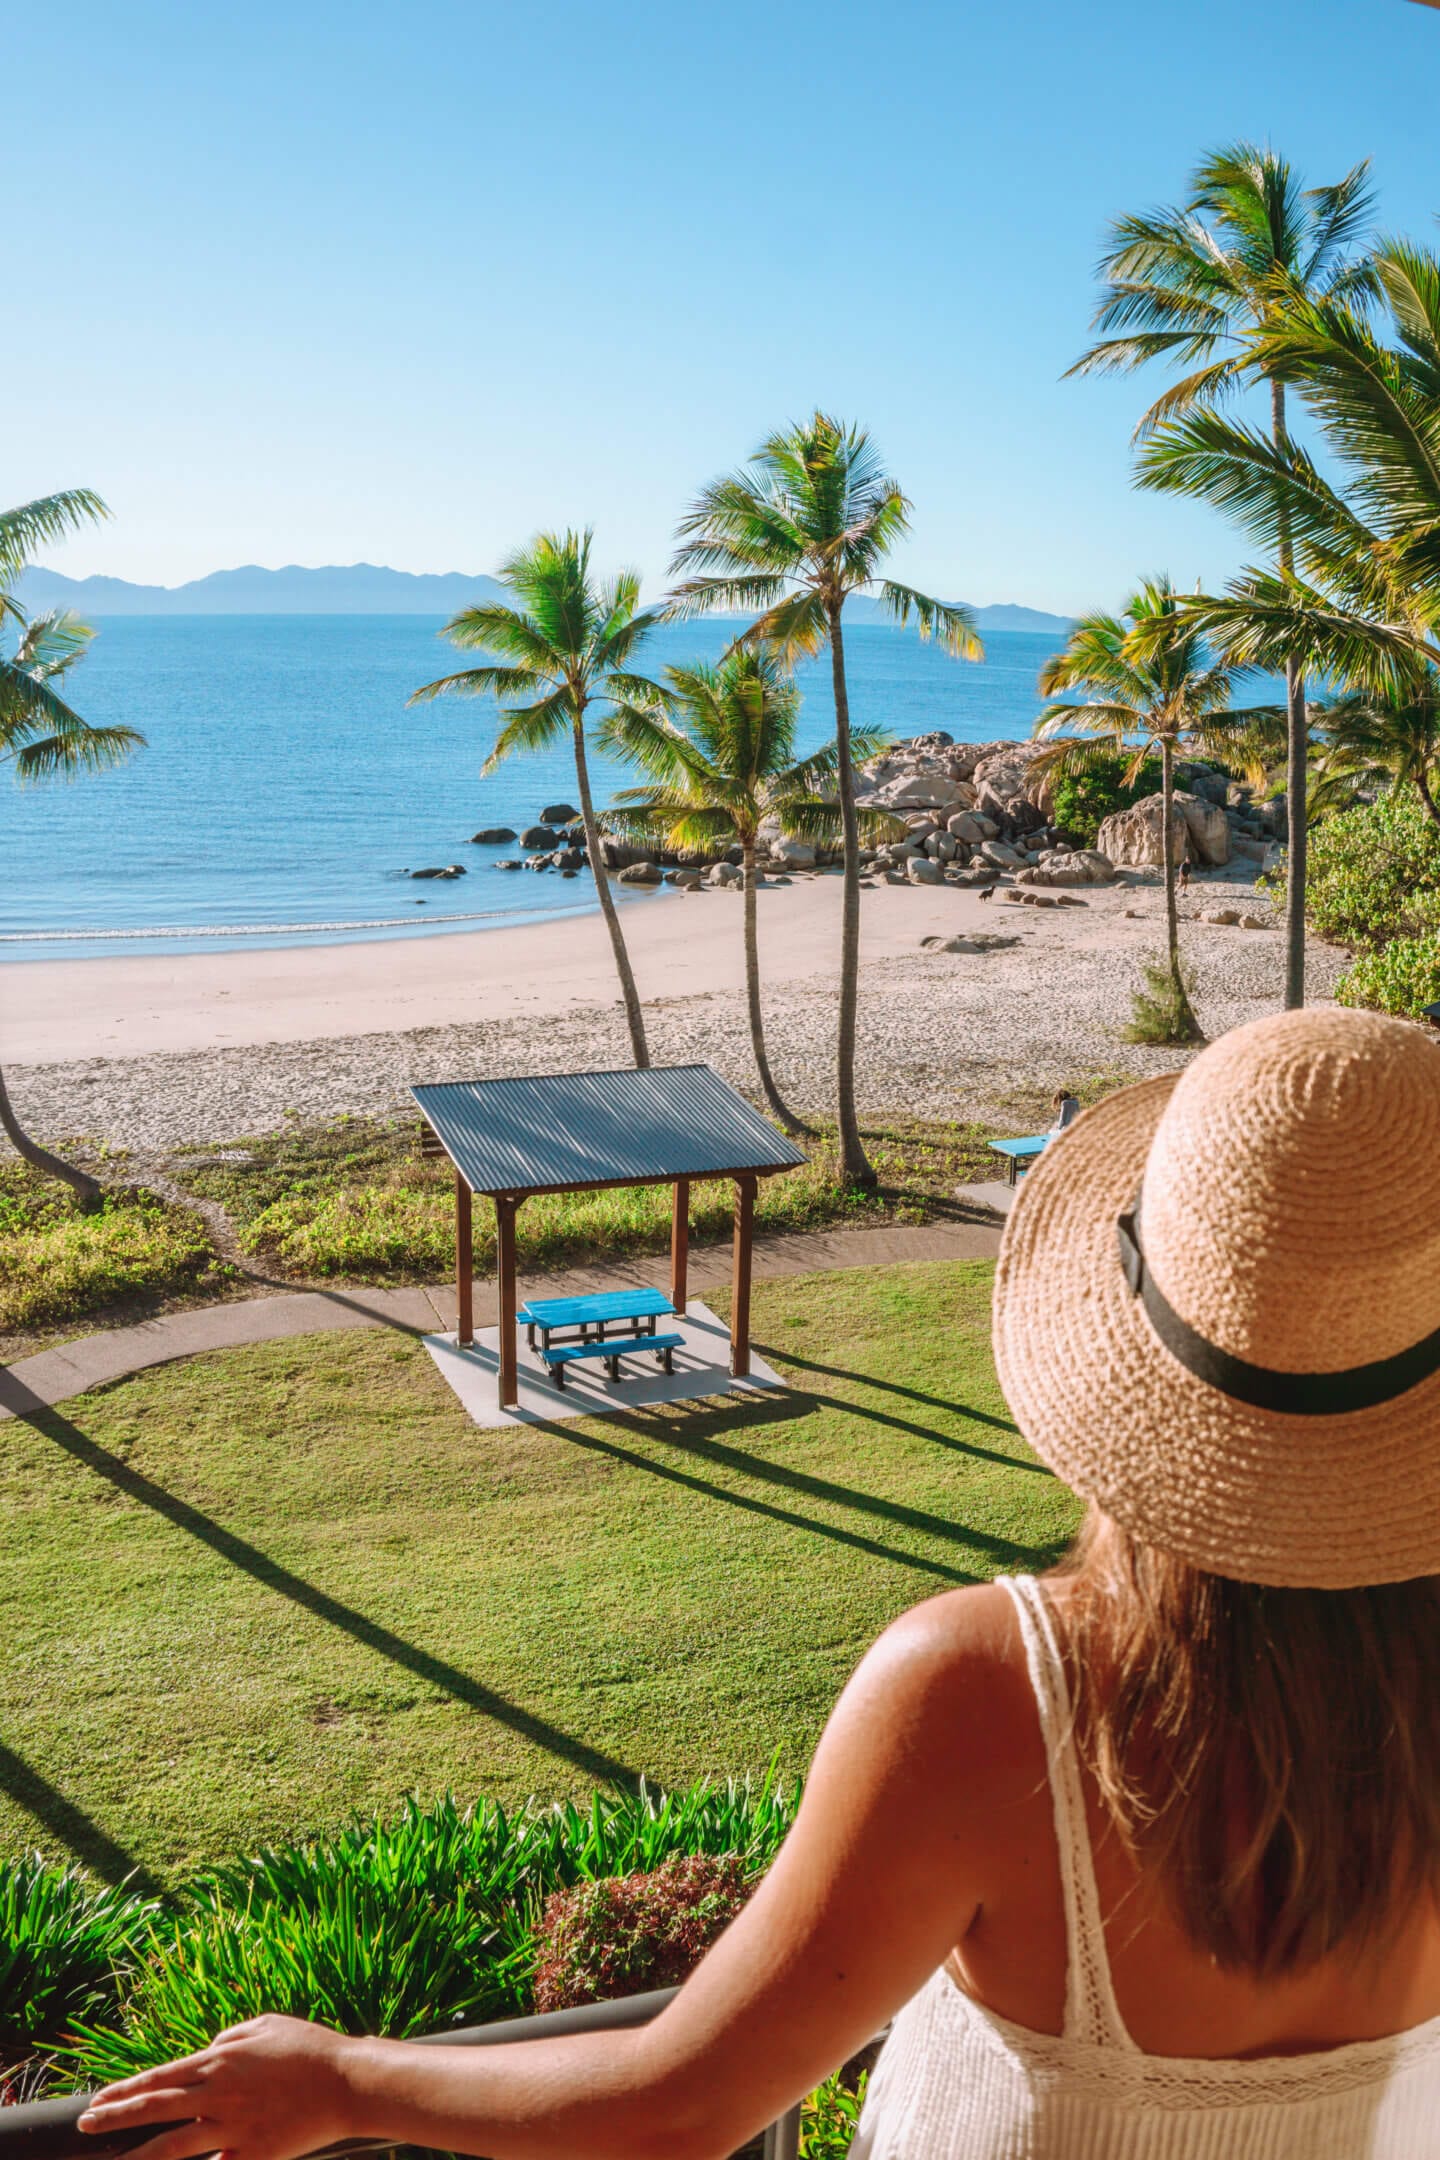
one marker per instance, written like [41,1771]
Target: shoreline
[149,1054]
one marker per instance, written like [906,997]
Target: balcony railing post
[782,2139]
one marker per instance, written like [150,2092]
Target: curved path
[52,1376]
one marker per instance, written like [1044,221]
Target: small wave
[250,930]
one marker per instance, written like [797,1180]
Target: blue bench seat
[612,1351]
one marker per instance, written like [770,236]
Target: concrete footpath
[52,1376]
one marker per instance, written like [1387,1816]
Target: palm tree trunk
[85,1187]
[1167,858]
[781,1108]
[1297,764]
[1187,1028]
[634,1018]
[1422,788]
[854,1162]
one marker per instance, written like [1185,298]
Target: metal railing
[46,2129]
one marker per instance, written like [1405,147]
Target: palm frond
[41,523]
[795,628]
[51,644]
[533,727]
[498,682]
[951,625]
[73,751]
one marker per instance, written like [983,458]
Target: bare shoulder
[945,1692]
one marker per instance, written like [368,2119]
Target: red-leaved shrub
[631,1933]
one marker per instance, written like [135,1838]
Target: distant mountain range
[354,589]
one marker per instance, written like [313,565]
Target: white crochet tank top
[956,2082]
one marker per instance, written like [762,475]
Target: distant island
[356,589]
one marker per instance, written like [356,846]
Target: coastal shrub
[355,1198]
[627,1934]
[65,1942]
[1083,801]
[1373,872]
[830,2118]
[58,1265]
[1160,1010]
[1401,977]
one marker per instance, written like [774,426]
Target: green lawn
[250,1593]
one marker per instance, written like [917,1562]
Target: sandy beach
[157,1052]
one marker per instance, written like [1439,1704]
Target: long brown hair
[1272,1756]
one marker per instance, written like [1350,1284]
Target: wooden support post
[680,1245]
[506,1205]
[740,1292]
[464,1264]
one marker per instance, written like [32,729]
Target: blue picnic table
[605,1325]
[1019,1154]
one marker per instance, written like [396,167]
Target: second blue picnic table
[1019,1154]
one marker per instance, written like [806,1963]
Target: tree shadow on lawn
[78,1832]
[50,1808]
[932,1402]
[692,1433]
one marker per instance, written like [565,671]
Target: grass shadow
[696,1434]
[63,1433]
[78,1832]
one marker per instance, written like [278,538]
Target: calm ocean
[286,788]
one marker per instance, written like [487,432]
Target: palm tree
[722,760]
[1208,282]
[1360,602]
[807,524]
[1381,739]
[564,649]
[1150,685]
[41,736]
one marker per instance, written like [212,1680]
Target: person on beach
[1182,876]
[1065,1108]
[1140,1856]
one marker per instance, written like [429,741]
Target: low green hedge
[401,1926]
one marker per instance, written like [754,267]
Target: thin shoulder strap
[1091,2013]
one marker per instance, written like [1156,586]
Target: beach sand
[154,1052]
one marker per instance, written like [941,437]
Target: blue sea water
[286,788]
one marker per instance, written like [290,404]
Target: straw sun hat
[1217,1311]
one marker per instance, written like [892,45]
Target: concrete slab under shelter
[702,1367]
[994,1195]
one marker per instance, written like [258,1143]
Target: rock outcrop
[1086,866]
[1200,829]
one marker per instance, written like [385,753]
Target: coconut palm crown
[1201,280]
[721,760]
[1150,685]
[788,539]
[563,652]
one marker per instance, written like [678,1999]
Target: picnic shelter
[676,1125]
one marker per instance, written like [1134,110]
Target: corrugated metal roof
[570,1130]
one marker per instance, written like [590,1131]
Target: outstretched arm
[879,1878]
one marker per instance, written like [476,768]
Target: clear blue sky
[315,282]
